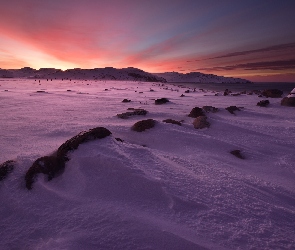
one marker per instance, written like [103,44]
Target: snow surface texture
[169,187]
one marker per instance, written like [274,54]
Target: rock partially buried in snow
[231,109]
[126,100]
[172,121]
[85,136]
[237,153]
[161,101]
[263,103]
[143,125]
[6,168]
[288,101]
[273,93]
[210,109]
[196,112]
[48,165]
[131,113]
[201,122]
[54,164]
[292,93]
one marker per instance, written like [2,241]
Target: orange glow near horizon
[155,37]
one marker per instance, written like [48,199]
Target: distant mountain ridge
[197,77]
[110,73]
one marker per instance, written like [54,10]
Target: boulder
[210,109]
[201,122]
[172,121]
[231,109]
[273,93]
[196,112]
[143,125]
[263,103]
[48,165]
[288,101]
[85,136]
[161,101]
[237,153]
[6,168]
[54,164]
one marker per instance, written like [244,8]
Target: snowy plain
[169,187]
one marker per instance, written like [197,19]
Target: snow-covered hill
[198,77]
[110,73]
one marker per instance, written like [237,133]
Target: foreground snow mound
[116,195]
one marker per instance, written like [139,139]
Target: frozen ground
[170,187]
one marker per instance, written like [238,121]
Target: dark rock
[6,168]
[48,165]
[119,139]
[201,122]
[131,113]
[85,136]
[143,125]
[231,109]
[126,100]
[288,101]
[263,103]
[210,109]
[273,93]
[172,121]
[237,153]
[54,164]
[226,92]
[161,101]
[187,91]
[195,112]
[182,95]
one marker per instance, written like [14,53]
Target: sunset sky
[251,39]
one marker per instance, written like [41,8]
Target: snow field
[170,187]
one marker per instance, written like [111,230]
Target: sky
[250,39]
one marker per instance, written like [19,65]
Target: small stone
[172,121]
[161,101]
[237,153]
[231,109]
[263,103]
[126,100]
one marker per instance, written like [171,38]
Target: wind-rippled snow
[170,187]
